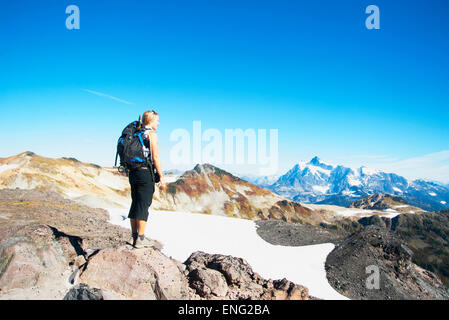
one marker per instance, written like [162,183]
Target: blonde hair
[148,116]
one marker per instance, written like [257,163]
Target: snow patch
[322,189]
[183,233]
[397,189]
[388,213]
[355,212]
[353,181]
[5,167]
[242,188]
[315,169]
[368,171]
[433,194]
[348,193]
[443,202]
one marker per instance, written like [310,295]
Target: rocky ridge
[385,202]
[204,189]
[209,189]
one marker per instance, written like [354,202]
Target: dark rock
[215,276]
[83,292]
[294,234]
[350,266]
[208,282]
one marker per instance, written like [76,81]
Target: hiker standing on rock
[142,183]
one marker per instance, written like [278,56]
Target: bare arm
[156,159]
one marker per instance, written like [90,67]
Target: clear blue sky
[310,69]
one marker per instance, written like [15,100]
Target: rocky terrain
[411,251]
[86,183]
[348,269]
[209,189]
[55,242]
[295,234]
[204,189]
[55,248]
[385,202]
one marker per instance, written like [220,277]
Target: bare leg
[141,226]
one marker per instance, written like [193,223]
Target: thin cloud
[433,166]
[371,157]
[107,96]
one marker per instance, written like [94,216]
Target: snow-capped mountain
[319,182]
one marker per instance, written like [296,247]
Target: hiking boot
[145,243]
[131,241]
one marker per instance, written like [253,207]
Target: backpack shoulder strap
[147,133]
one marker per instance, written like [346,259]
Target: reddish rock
[136,274]
[26,261]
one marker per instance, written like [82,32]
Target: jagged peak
[23,155]
[207,169]
[204,167]
[315,161]
[28,154]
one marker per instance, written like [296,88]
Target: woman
[142,184]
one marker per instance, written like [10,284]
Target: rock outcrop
[136,274]
[209,189]
[384,202]
[352,268]
[84,292]
[426,234]
[54,248]
[417,241]
[215,276]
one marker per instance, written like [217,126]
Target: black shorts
[142,190]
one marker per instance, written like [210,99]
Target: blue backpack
[130,147]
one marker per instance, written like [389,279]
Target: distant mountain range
[204,189]
[209,189]
[322,183]
[303,194]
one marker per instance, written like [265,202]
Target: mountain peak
[315,161]
[28,153]
[204,167]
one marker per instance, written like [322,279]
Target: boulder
[215,276]
[29,258]
[144,274]
[84,292]
[208,282]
